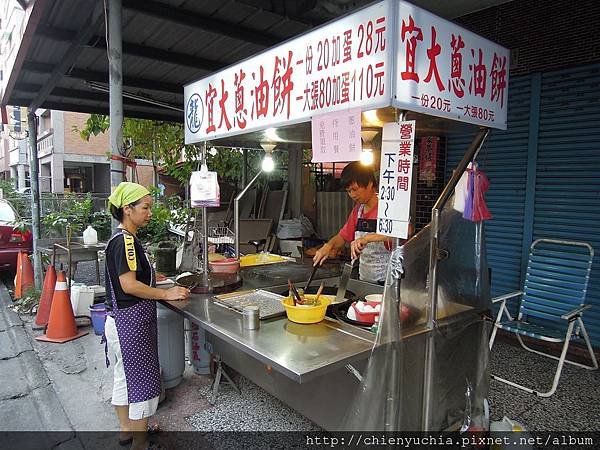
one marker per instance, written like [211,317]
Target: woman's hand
[176,293]
[357,245]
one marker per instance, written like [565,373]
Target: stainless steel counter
[301,352]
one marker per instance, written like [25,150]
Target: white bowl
[374,298]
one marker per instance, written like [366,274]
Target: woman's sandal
[152,429]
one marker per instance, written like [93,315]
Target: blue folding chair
[552,302]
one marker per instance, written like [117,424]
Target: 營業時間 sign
[395,178]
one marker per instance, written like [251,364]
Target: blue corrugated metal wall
[567,191]
[545,174]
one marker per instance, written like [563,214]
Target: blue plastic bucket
[98,315]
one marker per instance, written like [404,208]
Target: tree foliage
[162,142]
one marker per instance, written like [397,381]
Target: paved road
[46,387]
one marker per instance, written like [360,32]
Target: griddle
[282,272]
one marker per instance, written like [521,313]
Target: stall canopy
[61,62]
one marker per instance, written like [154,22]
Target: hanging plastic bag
[204,188]
[480,186]
[468,211]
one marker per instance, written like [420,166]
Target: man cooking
[372,249]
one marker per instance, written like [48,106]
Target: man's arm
[357,245]
[335,243]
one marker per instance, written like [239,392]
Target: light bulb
[267,163]
[366,157]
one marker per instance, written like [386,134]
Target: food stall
[418,75]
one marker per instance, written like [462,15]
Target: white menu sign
[395,178]
[336,137]
[444,70]
[339,66]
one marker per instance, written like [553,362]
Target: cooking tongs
[295,294]
[312,275]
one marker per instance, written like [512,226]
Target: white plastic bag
[204,188]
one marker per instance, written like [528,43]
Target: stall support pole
[115,84]
[244,166]
[473,149]
[236,213]
[204,225]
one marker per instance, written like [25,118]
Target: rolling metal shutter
[504,159]
[567,191]
[551,190]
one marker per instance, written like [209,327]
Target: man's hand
[176,293]
[321,255]
[356,247]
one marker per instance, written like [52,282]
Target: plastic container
[166,256]
[227,265]
[366,317]
[171,346]
[305,314]
[82,297]
[90,236]
[98,315]
[375,298]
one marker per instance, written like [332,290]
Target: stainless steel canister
[250,317]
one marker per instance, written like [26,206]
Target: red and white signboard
[444,70]
[438,68]
[339,66]
[336,137]
[395,178]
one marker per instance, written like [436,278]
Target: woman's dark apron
[137,330]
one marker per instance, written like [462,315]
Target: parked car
[12,240]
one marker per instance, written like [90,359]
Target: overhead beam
[96,96]
[173,116]
[129,48]
[91,25]
[200,21]
[102,77]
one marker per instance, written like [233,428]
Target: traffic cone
[24,277]
[61,324]
[43,312]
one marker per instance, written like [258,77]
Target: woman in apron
[131,332]
[371,249]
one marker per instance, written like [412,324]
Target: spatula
[341,292]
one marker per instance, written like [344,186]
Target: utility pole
[115,72]
[35,198]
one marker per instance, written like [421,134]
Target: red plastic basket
[366,317]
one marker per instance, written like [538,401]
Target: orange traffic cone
[43,312]
[61,324]
[24,277]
